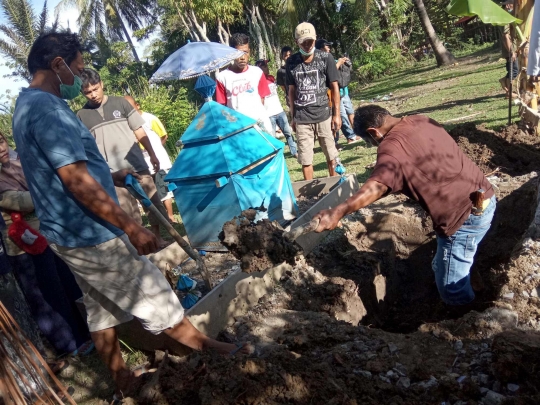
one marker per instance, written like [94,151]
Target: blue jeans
[345,108]
[455,256]
[282,122]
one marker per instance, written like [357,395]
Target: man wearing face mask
[418,158]
[75,200]
[310,73]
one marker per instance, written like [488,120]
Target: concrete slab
[170,257]
[316,187]
[232,298]
[338,194]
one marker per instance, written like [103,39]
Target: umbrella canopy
[488,11]
[195,59]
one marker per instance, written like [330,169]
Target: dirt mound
[258,245]
[489,149]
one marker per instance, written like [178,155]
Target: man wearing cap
[277,116]
[310,73]
[243,87]
[418,158]
[345,106]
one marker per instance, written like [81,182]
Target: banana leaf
[486,10]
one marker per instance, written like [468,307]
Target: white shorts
[118,284]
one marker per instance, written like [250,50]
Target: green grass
[448,93]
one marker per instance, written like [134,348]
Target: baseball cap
[304,31]
[322,42]
[507,2]
[261,62]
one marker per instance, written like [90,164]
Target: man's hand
[513,56]
[155,162]
[341,61]
[119,177]
[328,219]
[142,239]
[336,123]
[293,125]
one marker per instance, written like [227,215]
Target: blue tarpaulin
[227,165]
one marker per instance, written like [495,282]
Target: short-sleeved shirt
[421,160]
[153,124]
[272,102]
[112,125]
[281,80]
[49,136]
[311,80]
[243,91]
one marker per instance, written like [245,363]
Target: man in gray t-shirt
[117,129]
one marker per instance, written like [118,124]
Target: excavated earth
[359,320]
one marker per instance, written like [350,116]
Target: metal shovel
[135,189]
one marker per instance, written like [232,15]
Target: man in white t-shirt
[158,136]
[278,117]
[243,87]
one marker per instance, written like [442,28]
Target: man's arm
[336,100]
[93,196]
[370,192]
[145,142]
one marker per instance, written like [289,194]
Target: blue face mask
[69,92]
[307,53]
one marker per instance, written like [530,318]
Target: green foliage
[381,60]
[19,33]
[172,106]
[7,107]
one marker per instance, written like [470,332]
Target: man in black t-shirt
[310,73]
[281,76]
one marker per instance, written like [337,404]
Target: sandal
[58,366]
[84,350]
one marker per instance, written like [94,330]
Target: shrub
[371,65]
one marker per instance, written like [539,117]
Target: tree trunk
[255,28]
[442,55]
[128,39]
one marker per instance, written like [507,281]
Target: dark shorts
[162,186]
[514,69]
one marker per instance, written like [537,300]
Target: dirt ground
[359,321]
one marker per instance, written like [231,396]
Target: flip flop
[57,370]
[84,350]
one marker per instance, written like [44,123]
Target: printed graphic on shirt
[308,85]
[241,86]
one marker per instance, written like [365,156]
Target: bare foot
[229,348]
[504,84]
[173,220]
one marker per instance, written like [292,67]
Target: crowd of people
[65,185]
[319,104]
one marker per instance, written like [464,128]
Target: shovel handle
[295,233]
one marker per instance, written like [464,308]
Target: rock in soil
[258,245]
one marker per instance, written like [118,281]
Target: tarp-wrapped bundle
[228,164]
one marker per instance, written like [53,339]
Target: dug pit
[376,271]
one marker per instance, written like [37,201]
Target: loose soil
[258,245]
[359,321]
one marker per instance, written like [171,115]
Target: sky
[66,17]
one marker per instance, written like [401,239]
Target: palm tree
[442,55]
[110,18]
[22,29]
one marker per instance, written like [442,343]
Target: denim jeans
[345,107]
[282,122]
[455,256]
